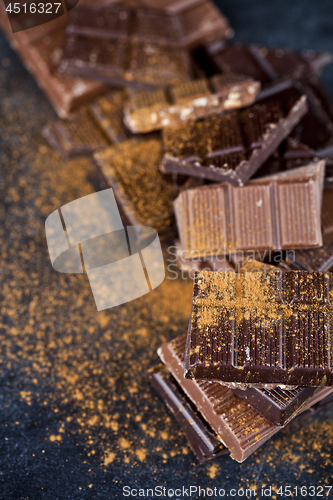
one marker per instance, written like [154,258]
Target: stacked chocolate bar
[231,147]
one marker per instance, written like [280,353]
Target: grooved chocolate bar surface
[191,100]
[122,62]
[281,211]
[230,147]
[262,328]
[241,428]
[203,440]
[143,194]
[265,63]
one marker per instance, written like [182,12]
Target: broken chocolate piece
[261,328]
[230,147]
[277,212]
[191,100]
[311,259]
[107,111]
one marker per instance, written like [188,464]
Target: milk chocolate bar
[261,328]
[230,147]
[143,194]
[241,428]
[40,49]
[266,63]
[277,212]
[148,111]
[125,62]
[203,440]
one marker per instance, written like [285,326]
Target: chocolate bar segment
[143,194]
[327,215]
[107,112]
[241,428]
[125,62]
[311,259]
[191,100]
[261,328]
[229,147]
[265,63]
[277,212]
[203,440]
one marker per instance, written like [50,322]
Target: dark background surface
[72,385]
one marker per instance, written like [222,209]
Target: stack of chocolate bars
[230,147]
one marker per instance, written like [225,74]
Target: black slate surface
[72,383]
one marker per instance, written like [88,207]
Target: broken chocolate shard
[277,212]
[191,100]
[203,440]
[241,428]
[261,328]
[229,147]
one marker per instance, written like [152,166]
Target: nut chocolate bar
[148,111]
[241,428]
[143,194]
[40,49]
[277,212]
[266,64]
[261,328]
[203,440]
[230,147]
[125,62]
[184,28]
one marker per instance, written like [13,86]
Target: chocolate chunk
[203,440]
[241,428]
[261,328]
[229,147]
[40,49]
[79,135]
[312,259]
[220,264]
[327,216]
[195,99]
[187,27]
[280,211]
[265,63]
[143,194]
[315,129]
[107,111]
[125,62]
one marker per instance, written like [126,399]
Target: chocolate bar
[188,27]
[276,212]
[265,63]
[196,265]
[230,147]
[315,129]
[327,216]
[40,49]
[125,62]
[107,111]
[148,111]
[261,328]
[241,428]
[312,259]
[143,194]
[79,135]
[203,440]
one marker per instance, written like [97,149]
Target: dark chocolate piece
[79,135]
[265,63]
[40,49]
[261,328]
[280,211]
[312,259]
[220,264]
[125,62]
[143,194]
[107,111]
[191,100]
[188,27]
[230,147]
[241,428]
[327,216]
[203,440]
